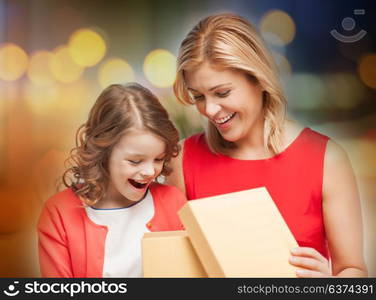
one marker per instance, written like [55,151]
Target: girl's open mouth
[137,184]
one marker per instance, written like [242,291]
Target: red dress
[293,178]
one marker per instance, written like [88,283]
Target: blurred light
[46,172]
[73,97]
[115,70]
[370,135]
[277,27]
[366,158]
[39,71]
[87,47]
[63,67]
[367,70]
[41,99]
[15,202]
[283,64]
[354,53]
[160,68]
[194,119]
[344,90]
[3,115]
[13,62]
[58,20]
[305,91]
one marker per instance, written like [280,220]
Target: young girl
[94,227]
[227,73]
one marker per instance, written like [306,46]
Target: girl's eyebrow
[142,154]
[134,154]
[212,88]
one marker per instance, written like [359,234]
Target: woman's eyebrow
[212,88]
[219,85]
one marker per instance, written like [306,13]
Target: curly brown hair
[117,109]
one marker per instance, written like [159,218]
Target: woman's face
[135,161]
[228,98]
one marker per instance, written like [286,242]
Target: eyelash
[198,98]
[224,94]
[220,95]
[137,162]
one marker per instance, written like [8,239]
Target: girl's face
[136,160]
[228,98]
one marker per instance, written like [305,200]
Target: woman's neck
[253,145]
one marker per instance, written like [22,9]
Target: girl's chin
[132,198]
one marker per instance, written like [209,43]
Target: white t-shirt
[126,226]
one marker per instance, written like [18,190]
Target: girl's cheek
[158,171]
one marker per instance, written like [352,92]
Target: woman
[226,72]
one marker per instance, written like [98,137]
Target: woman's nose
[212,108]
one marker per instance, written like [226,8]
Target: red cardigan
[71,245]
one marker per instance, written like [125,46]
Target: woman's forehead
[207,77]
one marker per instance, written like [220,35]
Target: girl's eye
[134,162]
[159,159]
[223,94]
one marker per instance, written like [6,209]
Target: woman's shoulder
[194,139]
[295,131]
[196,146]
[335,154]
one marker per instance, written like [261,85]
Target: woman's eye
[223,94]
[160,159]
[198,97]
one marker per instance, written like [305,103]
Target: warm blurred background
[57,55]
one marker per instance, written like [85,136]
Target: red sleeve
[54,256]
[180,201]
[179,197]
[168,200]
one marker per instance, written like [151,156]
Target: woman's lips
[226,123]
[224,119]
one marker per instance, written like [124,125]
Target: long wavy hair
[117,109]
[230,41]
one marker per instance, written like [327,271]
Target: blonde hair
[230,41]
[117,109]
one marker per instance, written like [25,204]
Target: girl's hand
[310,263]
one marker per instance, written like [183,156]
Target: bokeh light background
[57,55]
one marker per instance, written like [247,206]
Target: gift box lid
[240,234]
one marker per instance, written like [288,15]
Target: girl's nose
[148,171]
